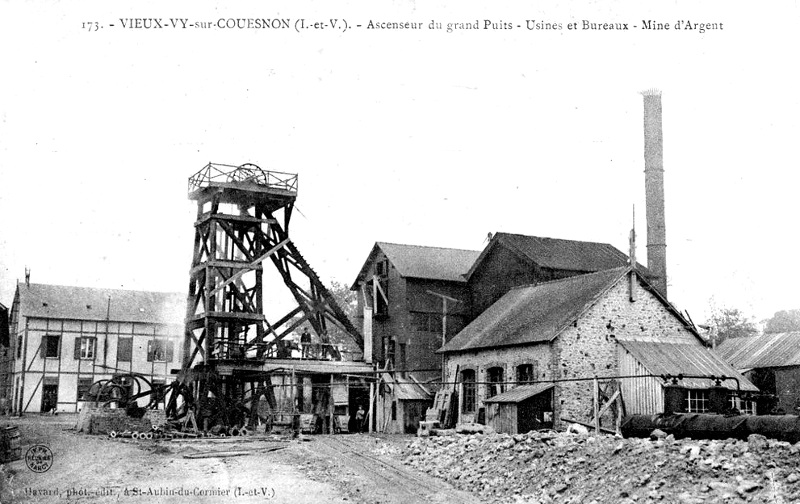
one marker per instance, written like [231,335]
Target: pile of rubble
[544,467]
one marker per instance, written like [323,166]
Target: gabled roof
[674,358]
[556,253]
[519,394]
[534,313]
[768,350]
[415,261]
[87,303]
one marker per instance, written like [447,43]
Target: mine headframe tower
[243,215]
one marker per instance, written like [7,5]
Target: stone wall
[589,347]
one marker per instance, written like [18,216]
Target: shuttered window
[125,349]
[85,348]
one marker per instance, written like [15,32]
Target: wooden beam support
[252,265]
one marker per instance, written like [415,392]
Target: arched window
[468,391]
[495,376]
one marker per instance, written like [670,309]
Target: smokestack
[654,190]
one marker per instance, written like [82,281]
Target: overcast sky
[408,136]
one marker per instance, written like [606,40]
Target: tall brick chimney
[654,190]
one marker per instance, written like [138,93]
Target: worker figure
[305,342]
[360,414]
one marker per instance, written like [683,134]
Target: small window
[745,406]
[85,348]
[84,386]
[124,349]
[160,351]
[51,346]
[468,388]
[495,376]
[382,267]
[394,410]
[526,373]
[696,401]
[19,347]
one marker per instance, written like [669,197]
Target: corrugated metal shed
[432,263]
[533,314]
[768,350]
[519,394]
[86,303]
[682,358]
[556,253]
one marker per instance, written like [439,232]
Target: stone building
[608,324]
[63,339]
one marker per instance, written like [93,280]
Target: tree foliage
[730,323]
[783,321]
[345,298]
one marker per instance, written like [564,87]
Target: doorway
[49,397]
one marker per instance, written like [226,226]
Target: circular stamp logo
[39,458]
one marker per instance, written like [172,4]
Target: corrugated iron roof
[406,390]
[556,253]
[87,303]
[661,358]
[415,261]
[768,350]
[533,314]
[519,394]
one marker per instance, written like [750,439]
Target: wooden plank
[596,405]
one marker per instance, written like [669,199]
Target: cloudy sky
[408,136]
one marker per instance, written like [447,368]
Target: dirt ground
[325,469]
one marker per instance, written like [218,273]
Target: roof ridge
[425,246]
[551,238]
[32,284]
[573,277]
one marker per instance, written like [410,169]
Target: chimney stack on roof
[654,189]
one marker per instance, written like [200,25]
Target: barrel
[10,448]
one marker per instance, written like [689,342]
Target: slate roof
[662,358]
[87,303]
[519,394]
[768,350]
[556,253]
[415,261]
[532,314]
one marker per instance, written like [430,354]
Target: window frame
[166,348]
[697,401]
[495,381]
[531,376]
[86,348]
[469,391]
[46,346]
[85,380]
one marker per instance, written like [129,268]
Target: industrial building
[63,339]
[772,363]
[552,338]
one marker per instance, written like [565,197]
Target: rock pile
[549,467]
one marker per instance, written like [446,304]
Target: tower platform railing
[222,173]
